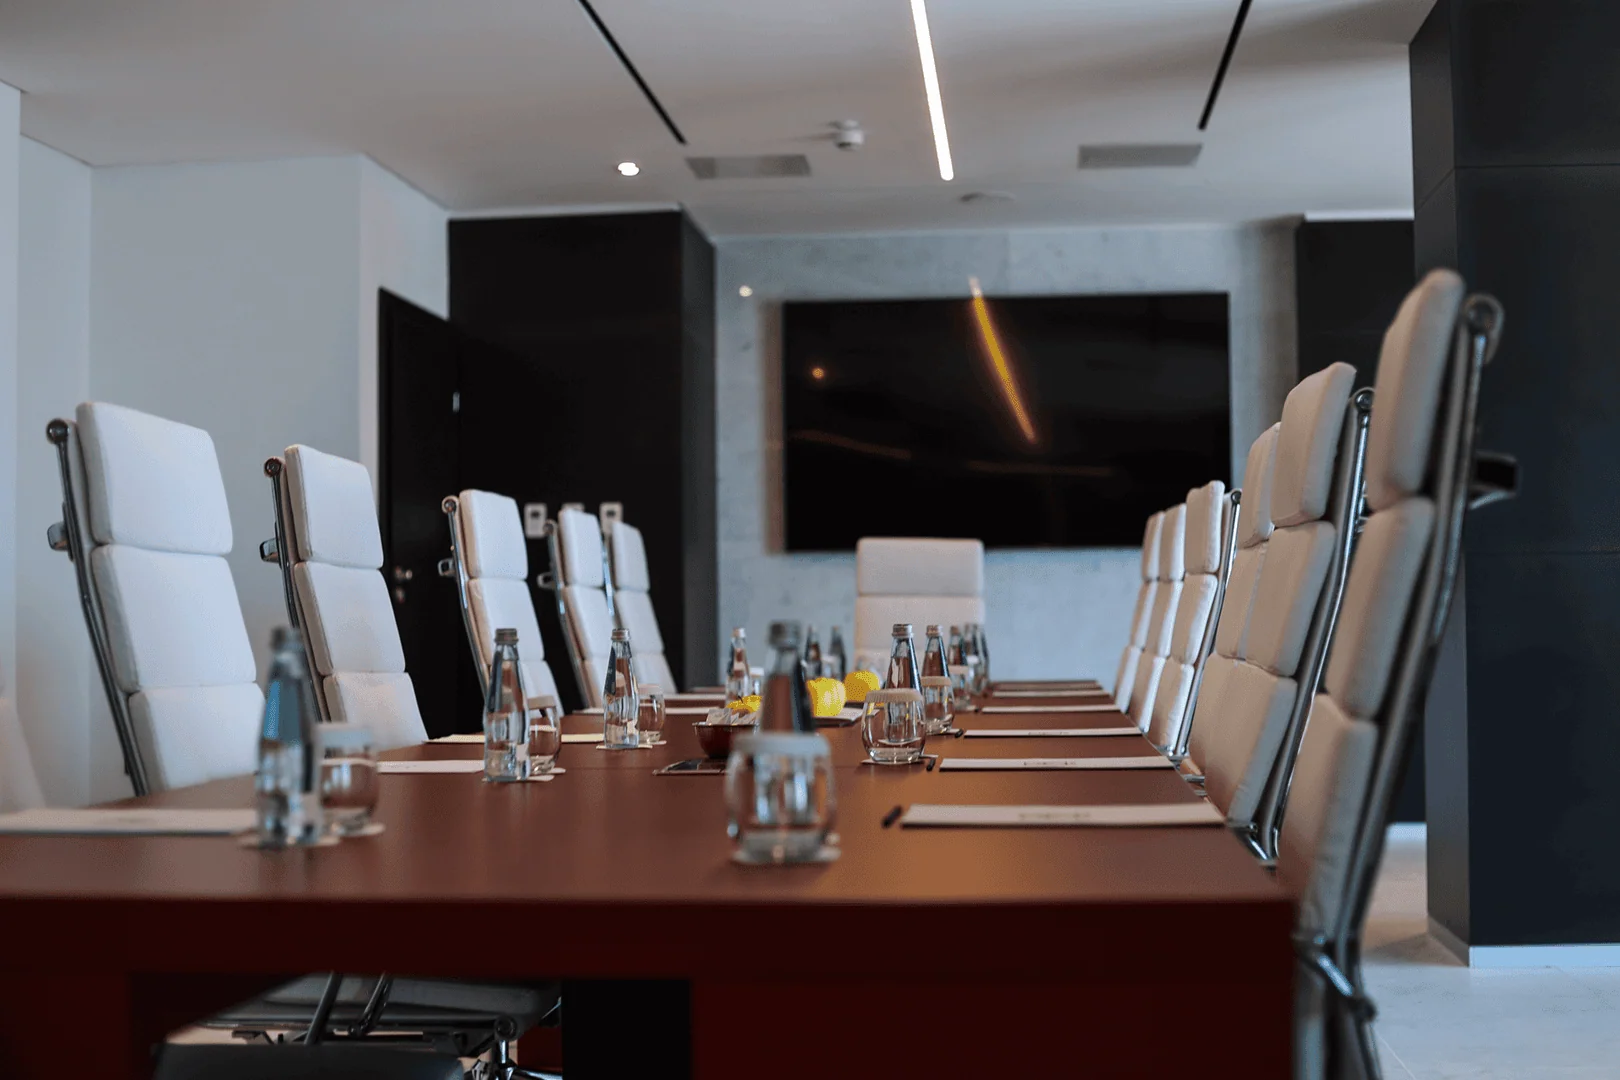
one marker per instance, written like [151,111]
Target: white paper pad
[453,740]
[1049,733]
[582,737]
[595,710]
[689,710]
[848,714]
[1064,763]
[1070,684]
[1048,708]
[136,821]
[1054,694]
[718,699]
[450,765]
[1197,813]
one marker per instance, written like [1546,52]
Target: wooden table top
[609,870]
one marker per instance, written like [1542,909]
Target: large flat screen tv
[1052,421]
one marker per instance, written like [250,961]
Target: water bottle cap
[739,631]
[933,630]
[343,736]
[283,637]
[649,688]
[784,635]
[901,629]
[620,634]
[961,669]
[506,635]
[936,681]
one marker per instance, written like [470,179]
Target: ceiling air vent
[1139,155]
[762,167]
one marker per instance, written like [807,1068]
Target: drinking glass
[939,711]
[892,726]
[545,734]
[779,796]
[962,688]
[349,784]
[756,680]
[651,714]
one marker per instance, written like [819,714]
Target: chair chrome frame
[607,515]
[1345,510]
[1463,481]
[1177,752]
[71,535]
[454,566]
[280,549]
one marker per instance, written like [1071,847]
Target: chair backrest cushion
[635,612]
[1201,544]
[1308,445]
[349,618]
[1143,614]
[198,733]
[629,559]
[580,536]
[1150,546]
[1296,567]
[875,617]
[498,603]
[492,540]
[592,628]
[1254,512]
[886,566]
[153,483]
[1237,751]
[1173,544]
[333,509]
[1237,609]
[383,701]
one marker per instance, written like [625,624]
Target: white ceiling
[487,104]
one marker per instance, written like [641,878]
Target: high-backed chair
[1131,656]
[1253,535]
[1206,557]
[147,526]
[330,552]
[489,560]
[632,603]
[901,580]
[1421,481]
[1265,696]
[1162,620]
[19,787]
[579,577]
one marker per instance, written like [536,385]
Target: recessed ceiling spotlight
[628,168]
[745,291]
[988,197]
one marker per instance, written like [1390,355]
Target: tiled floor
[1438,1020]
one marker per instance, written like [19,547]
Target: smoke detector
[848,134]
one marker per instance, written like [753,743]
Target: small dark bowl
[716,738]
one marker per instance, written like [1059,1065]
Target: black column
[1516,129]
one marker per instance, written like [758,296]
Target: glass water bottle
[981,649]
[506,713]
[903,671]
[739,683]
[621,703]
[287,785]
[786,706]
[812,654]
[837,663]
[934,661]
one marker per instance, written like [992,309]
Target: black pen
[892,816]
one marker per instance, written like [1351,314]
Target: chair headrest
[334,511]
[581,538]
[1254,512]
[1201,550]
[629,558]
[894,566]
[1173,544]
[1150,547]
[492,536]
[1406,401]
[153,483]
[1308,445]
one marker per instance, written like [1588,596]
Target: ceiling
[491,104]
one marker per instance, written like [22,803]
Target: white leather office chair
[1162,620]
[1421,481]
[19,786]
[1206,554]
[578,574]
[632,604]
[147,526]
[1291,619]
[1131,655]
[901,580]
[331,555]
[489,560]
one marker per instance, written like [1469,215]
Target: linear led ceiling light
[936,107]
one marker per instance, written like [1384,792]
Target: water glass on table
[893,727]
[779,797]
[545,734]
[962,688]
[651,714]
[349,784]
[939,711]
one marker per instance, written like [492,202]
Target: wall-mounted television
[1050,421]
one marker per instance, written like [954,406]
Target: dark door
[416,359]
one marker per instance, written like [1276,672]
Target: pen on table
[891,817]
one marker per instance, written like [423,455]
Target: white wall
[54,671]
[1050,613]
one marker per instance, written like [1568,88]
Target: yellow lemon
[826,696]
[745,705]
[857,684]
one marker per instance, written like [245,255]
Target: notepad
[718,699]
[133,821]
[1049,708]
[593,710]
[448,765]
[923,815]
[1054,694]
[1050,733]
[582,737]
[458,739]
[689,710]
[1054,763]
[849,714]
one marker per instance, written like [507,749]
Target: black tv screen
[1052,421]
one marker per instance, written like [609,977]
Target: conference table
[1019,952]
